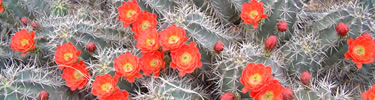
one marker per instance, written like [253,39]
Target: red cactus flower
[66,54]
[118,95]
[148,41]
[272,90]
[305,78]
[270,43]
[219,46]
[127,66]
[255,76]
[144,22]
[23,41]
[369,94]
[24,20]
[253,12]
[43,95]
[342,29]
[104,86]
[1,6]
[228,96]
[282,26]
[361,50]
[152,63]
[128,12]
[288,94]
[172,37]
[186,59]
[76,76]
[91,47]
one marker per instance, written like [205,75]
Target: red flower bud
[342,29]
[34,24]
[287,94]
[24,20]
[43,95]
[228,96]
[270,43]
[219,46]
[282,26]
[91,47]
[305,78]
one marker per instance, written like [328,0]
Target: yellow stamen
[107,87]
[267,96]
[253,14]
[150,42]
[68,56]
[145,25]
[154,62]
[255,79]
[77,74]
[173,39]
[186,58]
[128,67]
[24,42]
[359,50]
[130,13]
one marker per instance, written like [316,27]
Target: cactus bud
[91,47]
[342,29]
[270,43]
[228,96]
[34,24]
[24,20]
[305,78]
[287,94]
[43,95]
[219,46]
[282,26]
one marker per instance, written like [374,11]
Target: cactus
[172,87]
[308,43]
[25,81]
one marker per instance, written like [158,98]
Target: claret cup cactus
[187,49]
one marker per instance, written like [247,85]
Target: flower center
[253,14]
[145,25]
[77,74]
[106,87]
[255,79]
[150,42]
[267,96]
[186,58]
[131,13]
[154,62]
[359,50]
[173,39]
[68,56]
[24,42]
[128,67]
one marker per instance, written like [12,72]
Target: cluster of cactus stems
[313,55]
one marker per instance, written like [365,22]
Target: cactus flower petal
[127,66]
[255,76]
[128,12]
[186,59]
[23,41]
[252,13]
[145,21]
[76,76]
[152,63]
[172,37]
[361,50]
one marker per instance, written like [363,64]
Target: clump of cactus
[187,49]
